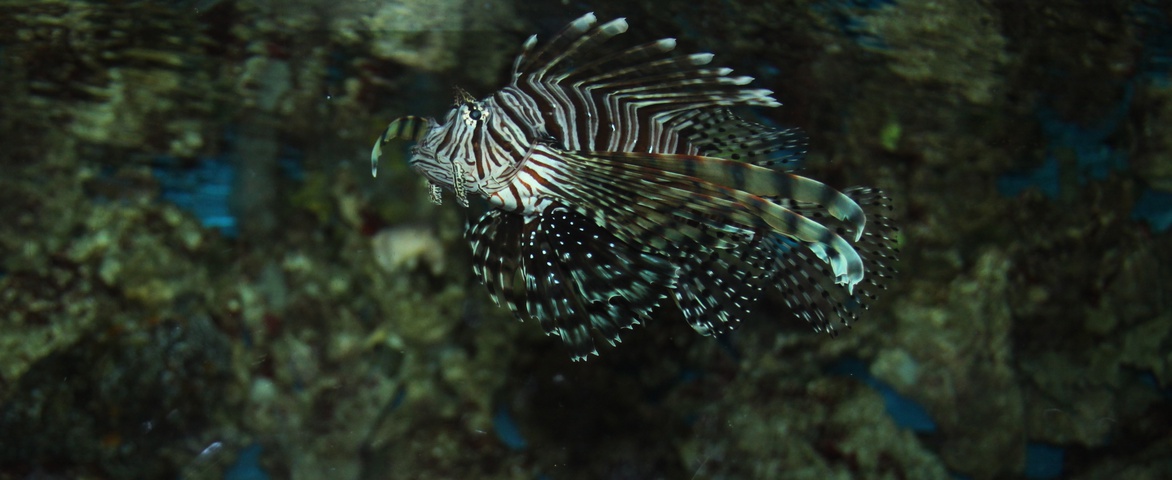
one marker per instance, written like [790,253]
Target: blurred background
[200,278]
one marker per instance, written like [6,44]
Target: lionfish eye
[473,113]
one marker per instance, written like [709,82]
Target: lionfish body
[619,182]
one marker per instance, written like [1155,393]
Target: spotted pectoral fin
[720,194]
[577,277]
[730,243]
[806,283]
[496,256]
[718,288]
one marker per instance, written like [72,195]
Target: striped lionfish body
[619,182]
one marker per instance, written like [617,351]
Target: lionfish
[619,182]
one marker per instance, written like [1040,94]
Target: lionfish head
[466,152]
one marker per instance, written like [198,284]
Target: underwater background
[201,279]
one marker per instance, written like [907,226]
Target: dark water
[200,279]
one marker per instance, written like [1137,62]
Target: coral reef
[110,357]
[960,358]
[109,79]
[200,280]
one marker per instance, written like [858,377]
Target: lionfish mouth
[410,128]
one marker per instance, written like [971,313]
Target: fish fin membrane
[577,278]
